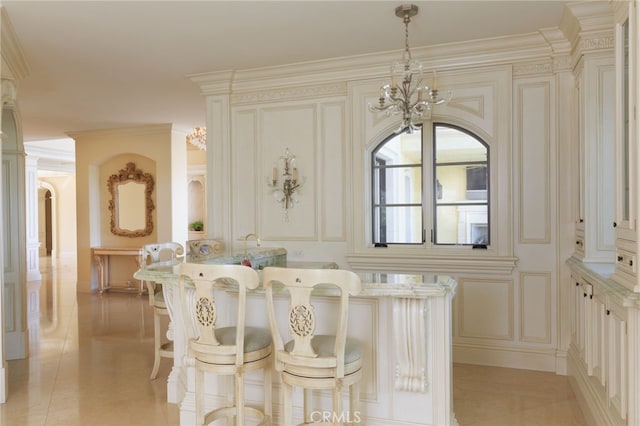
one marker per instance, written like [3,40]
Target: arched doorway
[46,219]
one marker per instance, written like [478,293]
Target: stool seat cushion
[257,346]
[255,338]
[323,346]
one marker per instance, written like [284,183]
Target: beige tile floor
[492,396]
[91,356]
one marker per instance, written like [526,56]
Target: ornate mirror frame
[131,174]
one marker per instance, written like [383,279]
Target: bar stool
[157,256]
[315,361]
[230,350]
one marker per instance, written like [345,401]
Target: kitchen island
[402,320]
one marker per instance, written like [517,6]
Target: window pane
[462,225]
[397,224]
[461,187]
[399,185]
[456,146]
[461,183]
[402,149]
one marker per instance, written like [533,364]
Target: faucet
[245,259]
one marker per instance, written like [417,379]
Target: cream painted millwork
[12,257]
[603,356]
[596,105]
[481,103]
[523,95]
[14,227]
[626,160]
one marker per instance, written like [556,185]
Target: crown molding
[14,62]
[327,77]
[164,129]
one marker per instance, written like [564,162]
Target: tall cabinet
[626,48]
[604,355]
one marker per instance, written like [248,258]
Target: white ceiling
[106,64]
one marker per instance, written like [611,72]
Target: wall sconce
[284,190]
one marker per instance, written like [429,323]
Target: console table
[102,255]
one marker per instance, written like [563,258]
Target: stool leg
[156,344]
[268,403]
[239,397]
[287,401]
[354,402]
[306,404]
[337,403]
[199,397]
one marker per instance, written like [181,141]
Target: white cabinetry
[602,364]
[595,83]
[626,131]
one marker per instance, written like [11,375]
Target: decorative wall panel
[293,126]
[533,109]
[248,186]
[485,308]
[332,175]
[535,307]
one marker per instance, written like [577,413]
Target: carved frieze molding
[595,43]
[562,63]
[520,70]
[290,93]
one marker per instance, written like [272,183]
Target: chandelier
[405,94]
[198,138]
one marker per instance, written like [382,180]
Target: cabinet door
[616,358]
[598,343]
[576,300]
[625,137]
[584,317]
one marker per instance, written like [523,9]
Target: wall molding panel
[333,175]
[534,132]
[485,309]
[535,307]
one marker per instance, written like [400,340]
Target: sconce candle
[284,191]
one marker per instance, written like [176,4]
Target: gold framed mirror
[131,205]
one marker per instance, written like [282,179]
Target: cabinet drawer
[626,261]
[579,245]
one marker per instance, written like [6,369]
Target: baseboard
[524,358]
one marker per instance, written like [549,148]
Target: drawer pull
[620,258]
[608,312]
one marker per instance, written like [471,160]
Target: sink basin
[260,258]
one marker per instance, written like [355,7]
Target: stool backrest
[301,316]
[197,284]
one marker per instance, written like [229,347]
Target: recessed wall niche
[197,205]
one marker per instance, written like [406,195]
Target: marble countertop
[374,284]
[601,273]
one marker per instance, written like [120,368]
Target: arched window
[431,188]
